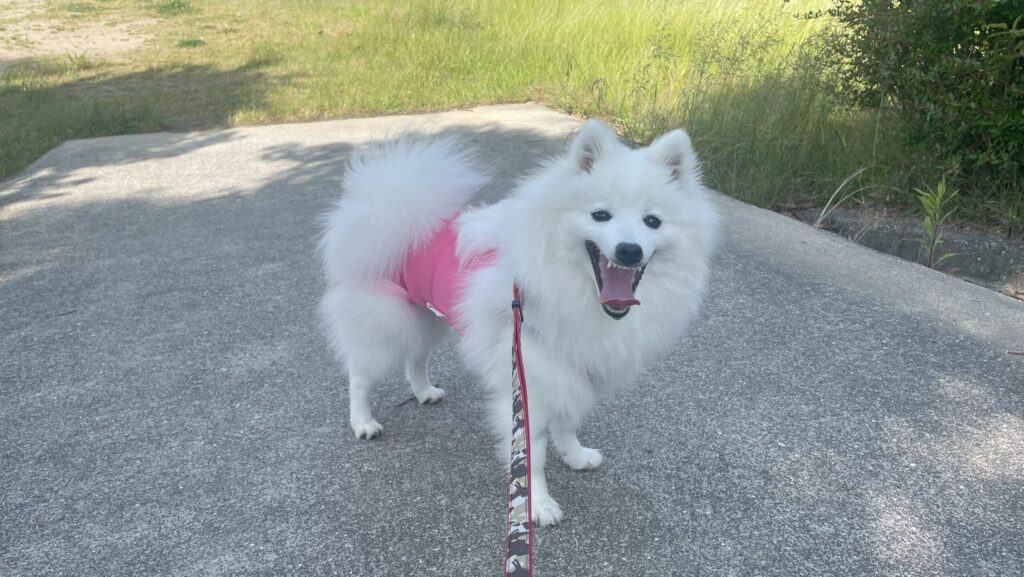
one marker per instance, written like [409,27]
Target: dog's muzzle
[617,278]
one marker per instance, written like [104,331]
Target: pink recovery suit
[432,276]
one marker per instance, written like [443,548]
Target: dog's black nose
[629,254]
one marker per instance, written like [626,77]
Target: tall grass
[735,73]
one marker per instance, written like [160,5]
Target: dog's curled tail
[393,198]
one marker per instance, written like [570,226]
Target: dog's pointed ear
[592,141]
[675,151]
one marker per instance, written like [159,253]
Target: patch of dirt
[25,32]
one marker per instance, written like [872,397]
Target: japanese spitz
[609,246]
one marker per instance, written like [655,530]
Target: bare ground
[26,31]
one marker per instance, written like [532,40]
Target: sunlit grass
[733,73]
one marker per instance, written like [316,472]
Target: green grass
[190,43]
[733,72]
[174,7]
[80,7]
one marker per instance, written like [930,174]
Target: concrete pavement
[169,407]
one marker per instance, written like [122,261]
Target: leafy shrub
[953,69]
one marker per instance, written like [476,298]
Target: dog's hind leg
[418,374]
[360,417]
[372,332]
[431,332]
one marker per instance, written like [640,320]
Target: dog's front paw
[430,396]
[367,430]
[583,459]
[545,511]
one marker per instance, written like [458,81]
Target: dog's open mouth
[616,284]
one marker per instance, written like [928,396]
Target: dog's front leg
[545,510]
[557,393]
[574,454]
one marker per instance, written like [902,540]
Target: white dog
[609,246]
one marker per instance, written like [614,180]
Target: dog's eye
[601,215]
[652,221]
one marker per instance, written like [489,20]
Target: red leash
[519,534]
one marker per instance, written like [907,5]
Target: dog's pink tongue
[616,285]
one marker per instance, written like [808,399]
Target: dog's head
[622,213]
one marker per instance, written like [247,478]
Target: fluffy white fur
[575,353]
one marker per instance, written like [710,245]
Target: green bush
[953,70]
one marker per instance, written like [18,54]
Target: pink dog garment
[433,277]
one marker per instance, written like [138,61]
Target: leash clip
[517,305]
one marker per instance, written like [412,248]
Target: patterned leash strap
[519,537]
